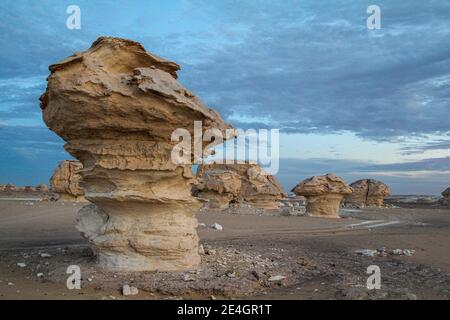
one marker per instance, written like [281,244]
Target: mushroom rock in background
[324,194]
[239,182]
[367,193]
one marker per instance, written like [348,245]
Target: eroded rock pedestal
[66,181]
[367,193]
[324,194]
[222,184]
[117,105]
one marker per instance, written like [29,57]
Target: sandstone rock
[324,194]
[116,106]
[219,187]
[42,188]
[367,193]
[10,187]
[446,197]
[66,181]
[222,184]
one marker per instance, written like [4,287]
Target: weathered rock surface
[117,105]
[446,197]
[324,194]
[222,184]
[219,187]
[66,181]
[10,187]
[367,193]
[42,188]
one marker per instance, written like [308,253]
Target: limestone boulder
[118,106]
[324,194]
[245,181]
[66,181]
[367,193]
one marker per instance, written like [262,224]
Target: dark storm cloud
[312,66]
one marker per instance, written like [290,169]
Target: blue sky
[357,102]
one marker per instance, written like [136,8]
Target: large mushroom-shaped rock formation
[220,181]
[116,106]
[446,196]
[66,181]
[323,194]
[367,193]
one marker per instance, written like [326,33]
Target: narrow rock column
[117,106]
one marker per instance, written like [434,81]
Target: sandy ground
[315,255]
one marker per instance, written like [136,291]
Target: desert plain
[258,254]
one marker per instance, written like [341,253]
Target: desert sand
[264,256]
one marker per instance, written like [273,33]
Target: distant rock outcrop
[10,187]
[117,107]
[367,193]
[66,181]
[446,197]
[219,187]
[42,188]
[222,184]
[324,194]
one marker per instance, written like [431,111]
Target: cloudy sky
[357,102]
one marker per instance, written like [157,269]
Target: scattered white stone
[210,252]
[202,225]
[40,275]
[276,278]
[213,297]
[45,255]
[217,226]
[129,291]
[10,284]
[366,252]
[188,277]
[22,264]
[231,274]
[408,252]
[201,250]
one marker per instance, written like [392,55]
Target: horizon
[359,103]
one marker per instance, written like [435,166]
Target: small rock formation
[29,189]
[324,194]
[10,187]
[446,196]
[2,187]
[367,193]
[42,188]
[222,184]
[219,187]
[66,181]
[116,106]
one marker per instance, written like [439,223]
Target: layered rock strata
[66,181]
[116,106]
[367,193]
[222,184]
[324,194]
